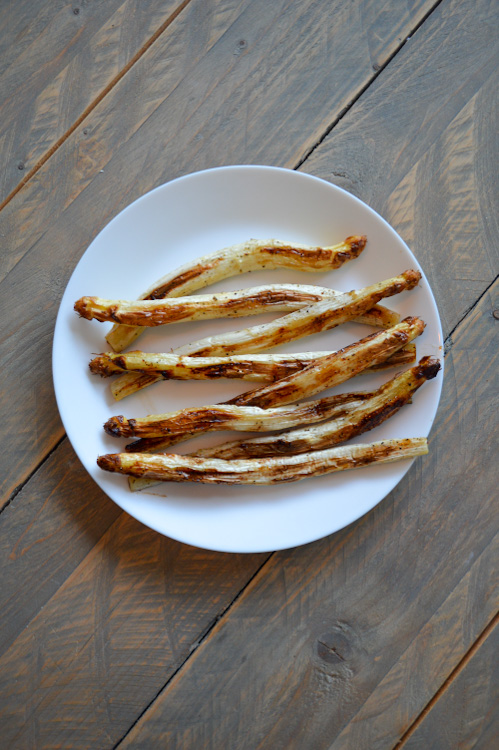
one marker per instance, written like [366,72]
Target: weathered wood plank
[227,82]
[119,625]
[349,618]
[466,714]
[55,60]
[212,91]
[45,533]
[420,145]
[417,675]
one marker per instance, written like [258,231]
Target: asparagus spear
[175,468]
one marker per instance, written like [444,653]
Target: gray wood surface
[420,147]
[466,715]
[57,59]
[97,627]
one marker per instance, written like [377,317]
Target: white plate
[196,215]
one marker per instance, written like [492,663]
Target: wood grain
[227,82]
[466,715]
[349,618]
[417,675]
[420,145]
[56,59]
[45,533]
[341,643]
[120,623]
[344,617]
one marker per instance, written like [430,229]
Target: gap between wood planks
[448,682]
[21,486]
[194,647]
[355,99]
[448,343]
[140,54]
[105,91]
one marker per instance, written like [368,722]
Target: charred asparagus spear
[316,377]
[334,369]
[175,468]
[367,409]
[257,367]
[348,420]
[244,302]
[359,418]
[320,316]
[200,419]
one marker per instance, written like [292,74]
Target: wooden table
[382,635]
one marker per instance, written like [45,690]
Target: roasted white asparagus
[201,419]
[252,301]
[256,471]
[257,367]
[359,417]
[231,261]
[317,317]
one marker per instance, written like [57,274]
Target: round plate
[193,216]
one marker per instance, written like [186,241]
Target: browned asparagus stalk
[257,471]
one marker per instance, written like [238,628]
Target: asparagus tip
[82,305]
[356,244]
[115,426]
[108,462]
[428,367]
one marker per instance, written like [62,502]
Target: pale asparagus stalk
[359,418]
[320,316]
[231,261]
[201,419]
[258,367]
[337,405]
[252,301]
[347,363]
[256,471]
[328,372]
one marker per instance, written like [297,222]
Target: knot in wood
[334,647]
